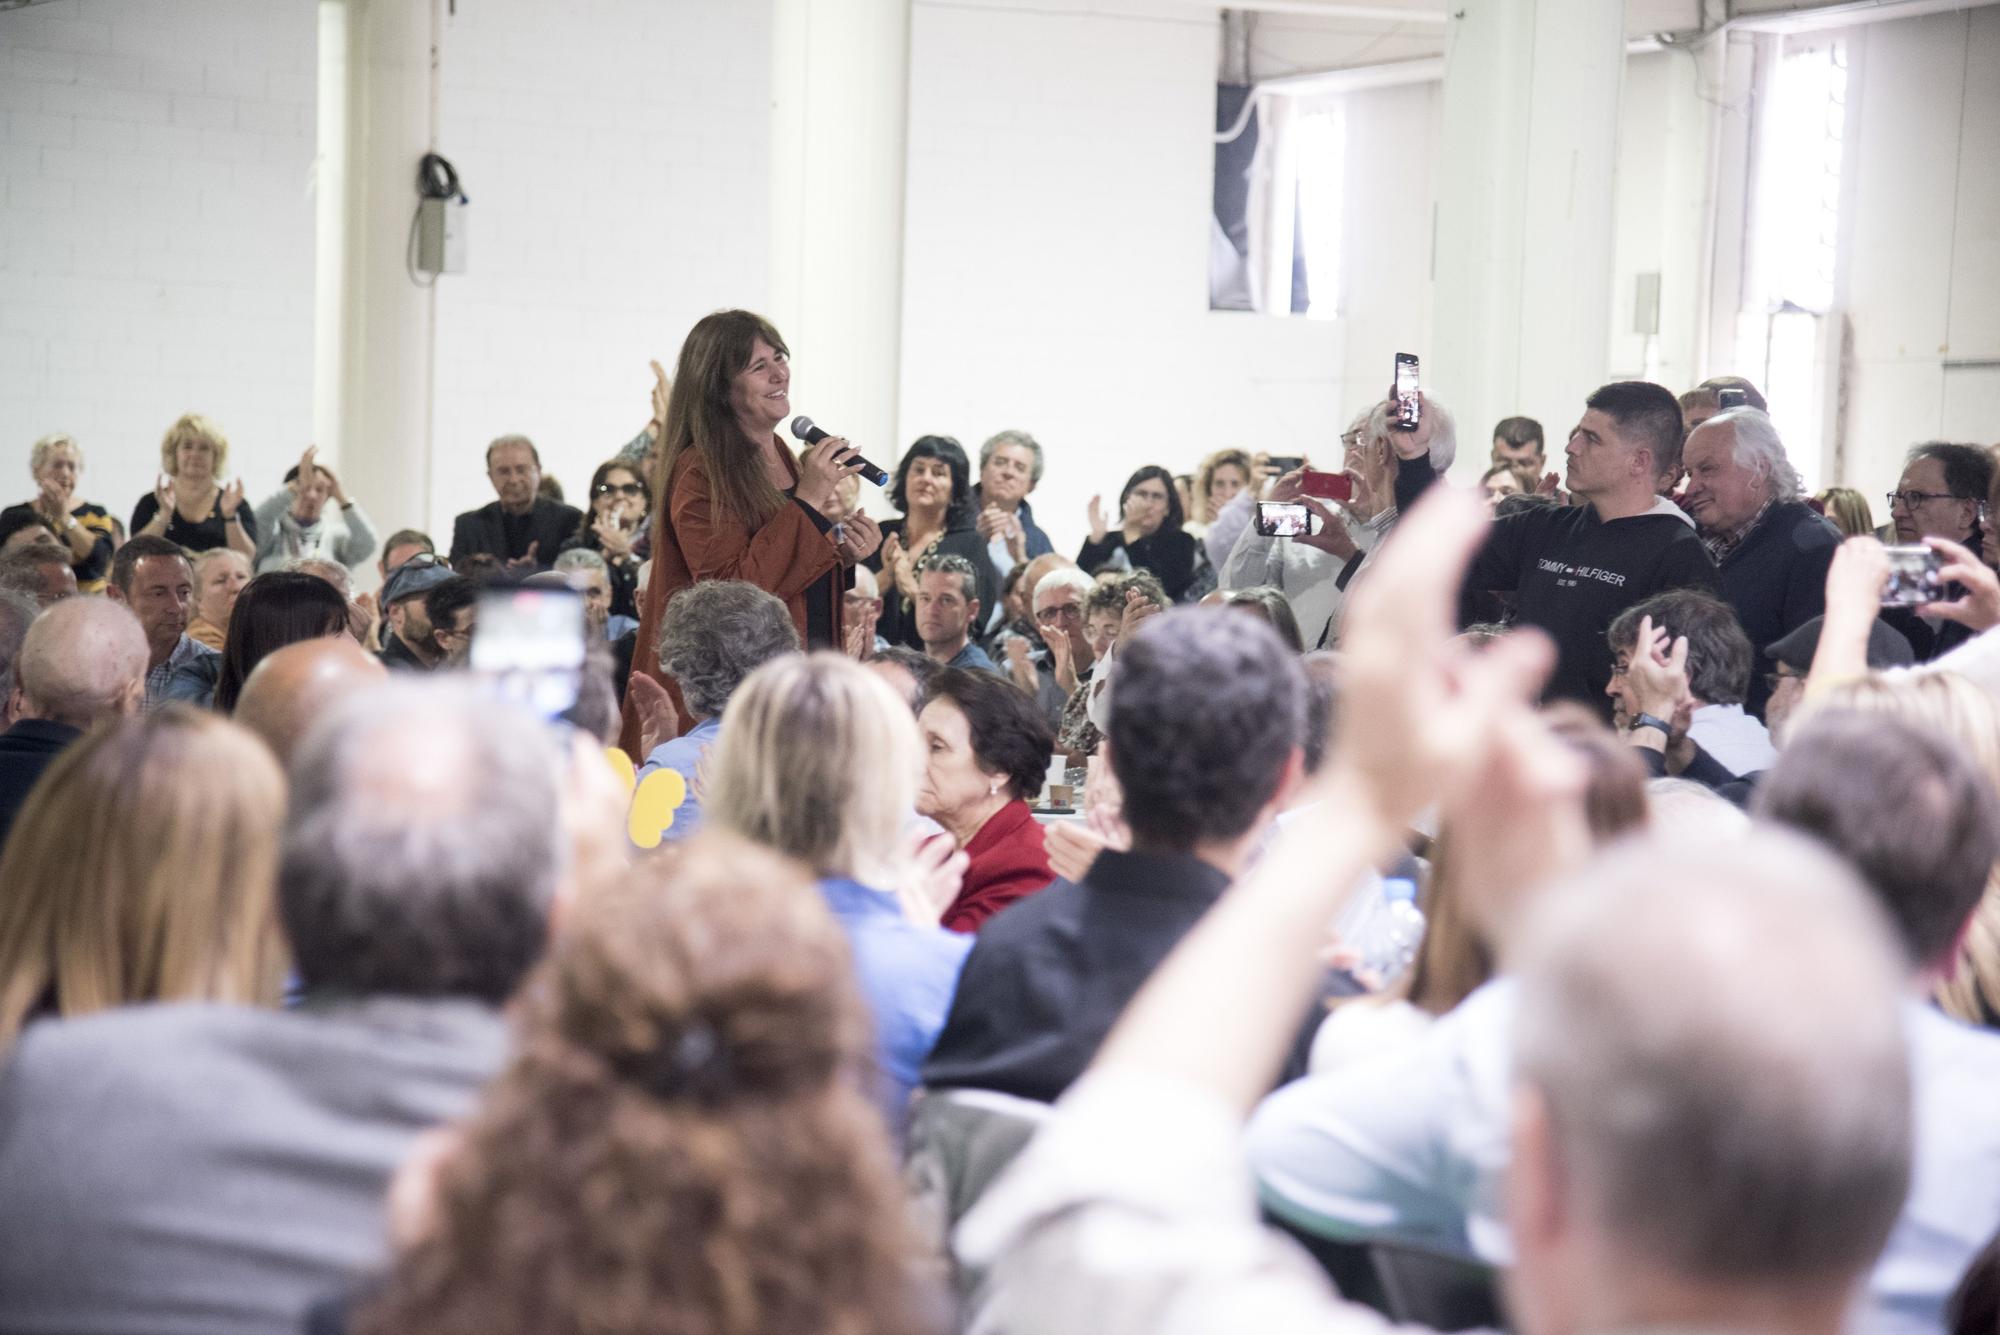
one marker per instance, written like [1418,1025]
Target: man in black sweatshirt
[1574,568]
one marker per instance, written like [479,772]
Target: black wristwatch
[1651,721]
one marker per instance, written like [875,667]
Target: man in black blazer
[523,531]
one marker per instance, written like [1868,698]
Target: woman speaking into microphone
[731,500]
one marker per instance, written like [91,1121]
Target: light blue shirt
[908,973]
[1412,1146]
[683,755]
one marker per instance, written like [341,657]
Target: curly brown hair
[682,1144]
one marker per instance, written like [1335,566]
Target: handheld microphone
[803,429]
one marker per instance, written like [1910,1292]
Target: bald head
[293,688]
[1715,1085]
[84,659]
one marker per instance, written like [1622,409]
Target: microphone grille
[801,427]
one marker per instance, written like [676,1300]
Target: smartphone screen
[1409,408]
[1731,398]
[1327,486]
[529,645]
[1914,577]
[1283,519]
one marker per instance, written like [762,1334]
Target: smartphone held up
[1409,404]
[1915,577]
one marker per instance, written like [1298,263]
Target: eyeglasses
[422,561]
[1912,499]
[1066,612]
[620,488]
[1773,680]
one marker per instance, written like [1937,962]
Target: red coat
[695,539]
[1009,862]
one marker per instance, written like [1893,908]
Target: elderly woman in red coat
[732,501]
[987,748]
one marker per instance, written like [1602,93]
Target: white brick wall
[617,155]
[156,233]
[1060,169]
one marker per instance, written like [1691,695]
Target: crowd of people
[900,925]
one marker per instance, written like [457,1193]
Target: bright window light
[1322,172]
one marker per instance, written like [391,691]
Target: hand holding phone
[1327,486]
[1409,405]
[1283,519]
[1914,576]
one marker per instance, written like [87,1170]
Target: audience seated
[521,530]
[1847,510]
[1458,951]
[1707,735]
[190,506]
[219,576]
[274,610]
[1010,468]
[41,572]
[82,661]
[83,529]
[129,883]
[586,572]
[294,522]
[677,1143]
[407,642]
[713,635]
[24,528]
[451,610]
[908,673]
[1413,1146]
[293,687]
[1269,606]
[621,503]
[216,1168]
[1054,648]
[1705,400]
[948,610]
[1770,549]
[1126,1213]
[1149,535]
[1792,658]
[987,751]
[152,577]
[1204,742]
[933,489]
[1575,568]
[17,613]
[1118,604]
[1519,446]
[1941,494]
[861,609]
[1950,705]
[797,734]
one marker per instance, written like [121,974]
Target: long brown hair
[143,868]
[681,1143]
[700,418]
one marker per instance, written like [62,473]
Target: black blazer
[550,523]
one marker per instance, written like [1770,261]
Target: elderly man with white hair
[1315,570]
[1771,549]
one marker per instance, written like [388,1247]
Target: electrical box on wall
[441,236]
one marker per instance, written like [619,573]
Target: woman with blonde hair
[189,504]
[1848,509]
[819,760]
[1953,707]
[56,464]
[680,1142]
[1221,476]
[126,882]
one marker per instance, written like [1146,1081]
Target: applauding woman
[933,489]
[189,506]
[85,529]
[620,500]
[733,503]
[1149,536]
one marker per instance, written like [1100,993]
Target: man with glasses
[1942,494]
[407,642]
[1057,603]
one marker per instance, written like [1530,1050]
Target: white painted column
[1522,306]
[840,94]
[372,372]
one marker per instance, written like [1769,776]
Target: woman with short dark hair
[933,489]
[1149,536]
[987,748]
[274,610]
